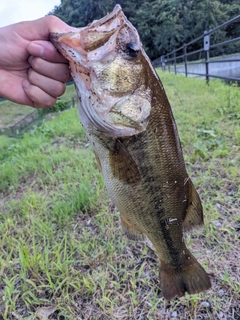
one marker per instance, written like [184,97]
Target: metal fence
[183,59]
[20,125]
[28,120]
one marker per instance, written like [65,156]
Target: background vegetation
[162,24]
[62,252]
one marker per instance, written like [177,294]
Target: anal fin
[194,213]
[130,231]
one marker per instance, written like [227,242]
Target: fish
[128,119]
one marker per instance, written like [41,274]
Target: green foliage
[5,142]
[60,105]
[163,25]
[61,246]
[34,153]
[78,13]
[11,113]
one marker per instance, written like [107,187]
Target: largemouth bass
[129,122]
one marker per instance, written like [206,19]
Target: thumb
[40,29]
[55,24]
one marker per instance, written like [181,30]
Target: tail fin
[190,277]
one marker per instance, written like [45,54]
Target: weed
[11,113]
[59,106]
[61,244]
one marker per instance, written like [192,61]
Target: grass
[62,253]
[12,112]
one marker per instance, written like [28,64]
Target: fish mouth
[94,35]
[93,53]
[112,15]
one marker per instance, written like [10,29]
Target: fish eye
[132,49]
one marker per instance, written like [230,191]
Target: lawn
[11,113]
[62,252]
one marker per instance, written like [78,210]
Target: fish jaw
[109,81]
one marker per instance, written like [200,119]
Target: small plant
[61,244]
[59,106]
[209,144]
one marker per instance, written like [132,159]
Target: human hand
[32,71]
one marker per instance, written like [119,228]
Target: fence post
[175,67]
[206,47]
[163,63]
[168,63]
[185,58]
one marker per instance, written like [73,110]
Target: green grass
[11,112]
[5,142]
[61,246]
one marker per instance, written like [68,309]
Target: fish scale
[128,119]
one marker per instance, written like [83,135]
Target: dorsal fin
[123,166]
[194,213]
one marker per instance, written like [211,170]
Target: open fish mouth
[94,35]
[106,64]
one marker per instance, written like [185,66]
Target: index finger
[40,29]
[45,50]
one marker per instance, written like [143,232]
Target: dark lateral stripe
[174,252]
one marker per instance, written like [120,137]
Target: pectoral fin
[123,166]
[130,231]
[194,213]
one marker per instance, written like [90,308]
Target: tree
[163,25]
